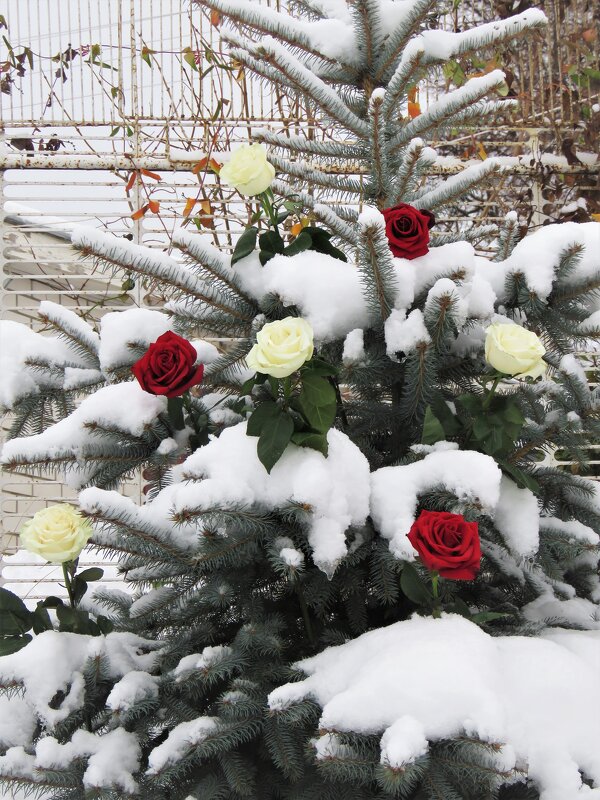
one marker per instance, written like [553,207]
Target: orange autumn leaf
[298,227]
[412,94]
[205,206]
[131,181]
[152,175]
[414,109]
[190,202]
[215,18]
[595,217]
[140,212]
[481,151]
[590,35]
[204,162]
[206,219]
[154,206]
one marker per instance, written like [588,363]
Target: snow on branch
[296,73]
[395,491]
[324,40]
[333,489]
[71,327]
[394,682]
[413,161]
[457,185]
[302,171]
[448,105]
[375,263]
[327,216]
[300,144]
[149,262]
[416,12]
[54,662]
[441,46]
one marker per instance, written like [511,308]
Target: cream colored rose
[281,347]
[514,350]
[57,533]
[248,170]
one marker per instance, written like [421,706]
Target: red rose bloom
[448,544]
[407,230]
[168,367]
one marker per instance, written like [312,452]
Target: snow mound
[411,682]
[335,489]
[395,491]
[54,662]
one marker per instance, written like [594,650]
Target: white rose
[248,170]
[281,347]
[514,350]
[57,533]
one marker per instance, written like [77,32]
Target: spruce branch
[458,185]
[375,263]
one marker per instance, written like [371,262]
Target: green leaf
[521,478]
[320,367]
[245,244]
[316,441]
[302,242]
[487,616]
[91,574]
[470,403]
[175,412]
[321,243]
[15,617]
[261,416]
[513,413]
[52,602]
[104,624]
[274,438]
[433,430]
[413,586]
[190,60]
[481,428]
[248,385]
[13,644]
[317,402]
[41,620]
[317,390]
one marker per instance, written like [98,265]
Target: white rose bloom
[281,347]
[57,533]
[514,350]
[248,170]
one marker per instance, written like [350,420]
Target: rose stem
[490,394]
[436,597]
[67,574]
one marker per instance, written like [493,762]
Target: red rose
[168,367]
[407,230]
[447,543]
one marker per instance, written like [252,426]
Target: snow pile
[180,741]
[335,489]
[404,334]
[155,518]
[208,658]
[425,680]
[517,518]
[17,721]
[395,491]
[122,332]
[354,347]
[327,291]
[120,407]
[19,345]
[54,662]
[134,687]
[112,758]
